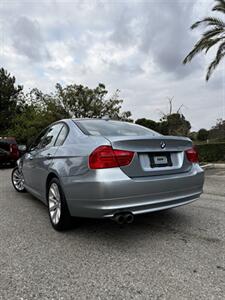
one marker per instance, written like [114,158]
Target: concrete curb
[213,166]
[206,166]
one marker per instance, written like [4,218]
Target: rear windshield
[5,143]
[113,128]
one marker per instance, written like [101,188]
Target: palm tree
[215,35]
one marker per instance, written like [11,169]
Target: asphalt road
[178,254]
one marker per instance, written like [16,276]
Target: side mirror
[22,148]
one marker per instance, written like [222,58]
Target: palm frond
[204,43]
[219,55]
[214,35]
[198,47]
[209,21]
[220,6]
[213,42]
[212,32]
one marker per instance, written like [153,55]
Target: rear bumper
[103,193]
[7,160]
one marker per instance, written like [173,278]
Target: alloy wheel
[54,203]
[18,180]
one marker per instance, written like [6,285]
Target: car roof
[96,119]
[8,139]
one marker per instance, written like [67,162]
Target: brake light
[192,155]
[107,157]
[14,151]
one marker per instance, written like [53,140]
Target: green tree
[218,131]
[49,104]
[42,109]
[203,134]
[193,135]
[80,102]
[39,111]
[10,99]
[213,36]
[27,125]
[148,123]
[175,124]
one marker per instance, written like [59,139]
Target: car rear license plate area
[159,159]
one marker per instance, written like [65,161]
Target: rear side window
[37,143]
[51,136]
[5,144]
[62,136]
[113,128]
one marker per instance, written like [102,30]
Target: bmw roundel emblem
[162,144]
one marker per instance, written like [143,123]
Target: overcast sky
[135,46]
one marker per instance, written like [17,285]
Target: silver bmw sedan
[100,168]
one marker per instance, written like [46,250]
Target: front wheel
[57,207]
[18,180]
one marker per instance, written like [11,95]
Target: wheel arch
[51,175]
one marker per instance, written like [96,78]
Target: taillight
[14,150]
[192,155]
[107,157]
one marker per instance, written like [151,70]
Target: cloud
[27,39]
[136,46]
[168,40]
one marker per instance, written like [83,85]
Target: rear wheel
[57,207]
[18,180]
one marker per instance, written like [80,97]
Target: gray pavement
[178,254]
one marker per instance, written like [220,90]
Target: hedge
[211,152]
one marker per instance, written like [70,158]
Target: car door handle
[29,156]
[49,156]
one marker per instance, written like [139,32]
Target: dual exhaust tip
[123,218]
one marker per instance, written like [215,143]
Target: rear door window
[51,136]
[37,142]
[5,144]
[62,136]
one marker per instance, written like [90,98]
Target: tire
[58,211]
[18,180]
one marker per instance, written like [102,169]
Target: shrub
[202,134]
[211,152]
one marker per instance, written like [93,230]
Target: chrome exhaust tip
[119,219]
[129,218]
[122,218]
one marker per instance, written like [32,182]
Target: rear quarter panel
[71,159]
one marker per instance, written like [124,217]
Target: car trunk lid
[155,155]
